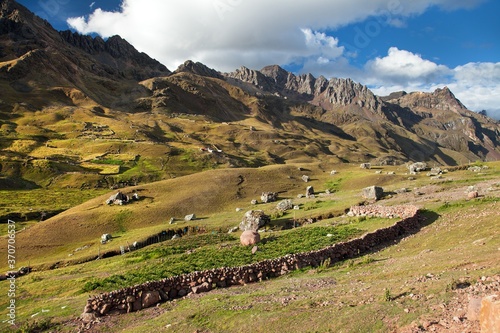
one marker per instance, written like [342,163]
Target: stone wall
[149,294]
[401,211]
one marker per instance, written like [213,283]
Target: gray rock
[306,178]
[417,167]
[373,193]
[253,220]
[310,192]
[190,217]
[365,166]
[284,205]
[267,197]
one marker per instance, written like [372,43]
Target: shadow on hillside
[426,218]
[324,127]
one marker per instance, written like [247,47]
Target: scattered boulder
[417,167]
[253,202]
[475,169]
[333,172]
[373,193]
[310,192]
[306,178]
[365,166]
[118,199]
[172,220]
[150,298]
[249,237]
[401,190]
[472,195]
[253,220]
[267,197]
[233,229]
[285,205]
[190,217]
[255,249]
[435,172]
[105,238]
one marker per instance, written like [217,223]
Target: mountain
[438,119]
[35,57]
[80,111]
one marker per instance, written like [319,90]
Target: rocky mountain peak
[197,68]
[277,74]
[440,99]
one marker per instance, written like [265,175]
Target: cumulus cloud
[225,34]
[401,66]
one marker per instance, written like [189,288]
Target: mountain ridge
[90,84]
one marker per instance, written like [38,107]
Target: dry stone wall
[401,211]
[151,293]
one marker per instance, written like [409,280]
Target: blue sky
[388,45]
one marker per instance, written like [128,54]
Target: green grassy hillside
[404,285]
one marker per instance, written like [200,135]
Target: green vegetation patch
[198,253]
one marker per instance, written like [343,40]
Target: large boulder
[249,237]
[373,193]
[310,192]
[253,220]
[268,197]
[118,199]
[150,298]
[417,167]
[284,205]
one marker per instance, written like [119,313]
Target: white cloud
[225,34]
[401,66]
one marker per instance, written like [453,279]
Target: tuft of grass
[334,185]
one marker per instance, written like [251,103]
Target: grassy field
[460,243]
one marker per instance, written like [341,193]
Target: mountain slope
[70,105]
